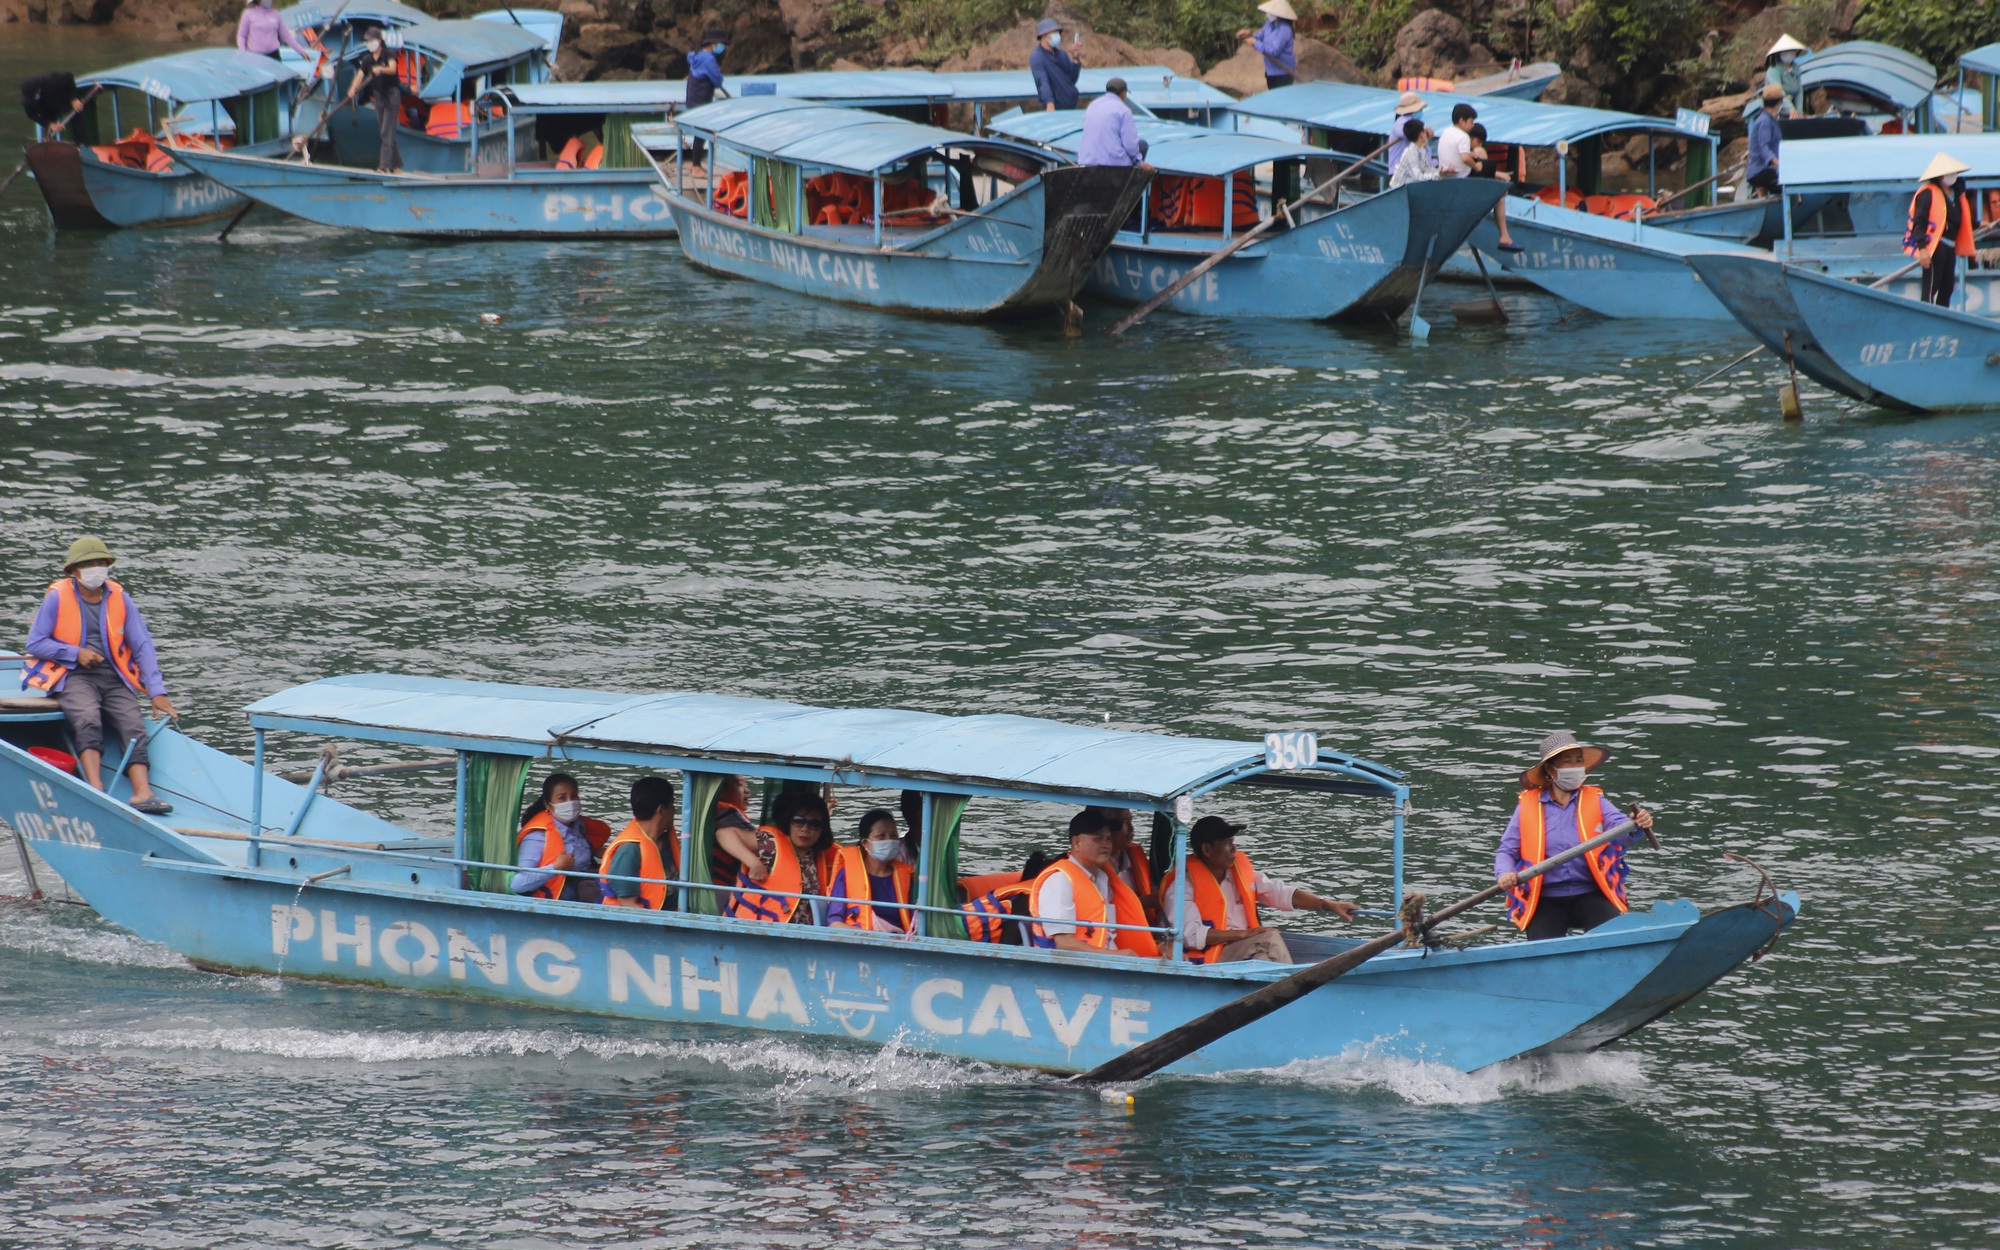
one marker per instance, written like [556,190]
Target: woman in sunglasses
[786,858]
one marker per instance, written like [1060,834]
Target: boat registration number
[1297,749]
[1930,347]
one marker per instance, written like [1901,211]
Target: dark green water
[314,458]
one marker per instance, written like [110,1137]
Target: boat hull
[1361,261]
[1613,268]
[357,143]
[586,203]
[84,193]
[399,920]
[1872,345]
[1027,252]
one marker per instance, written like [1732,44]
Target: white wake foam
[1434,1084]
[31,929]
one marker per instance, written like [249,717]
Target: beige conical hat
[1278,8]
[1786,44]
[1944,163]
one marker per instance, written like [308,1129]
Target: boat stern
[1442,215]
[1083,207]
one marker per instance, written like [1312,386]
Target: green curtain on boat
[1589,155]
[494,785]
[702,789]
[619,150]
[1284,184]
[774,194]
[1699,167]
[941,837]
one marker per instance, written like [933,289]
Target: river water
[315,458]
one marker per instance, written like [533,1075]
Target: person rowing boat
[1555,811]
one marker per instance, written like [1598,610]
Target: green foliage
[948,27]
[1936,30]
[1366,29]
[1639,35]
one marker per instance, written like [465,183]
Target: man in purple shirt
[261,30]
[1552,804]
[1110,136]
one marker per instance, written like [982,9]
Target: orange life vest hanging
[987,914]
[447,120]
[750,903]
[1607,863]
[46,675]
[652,867]
[1091,908]
[852,873]
[1212,907]
[1921,238]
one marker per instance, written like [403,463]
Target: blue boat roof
[1891,74]
[1173,147]
[596,97]
[822,135]
[476,44]
[1985,60]
[1153,85]
[1017,756]
[1372,111]
[362,13]
[203,74]
[1889,160]
[544,24]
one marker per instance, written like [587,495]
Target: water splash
[1434,1084]
[44,930]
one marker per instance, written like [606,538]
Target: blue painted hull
[582,203]
[399,920]
[1028,251]
[1363,260]
[83,192]
[357,142]
[1872,345]
[1614,268]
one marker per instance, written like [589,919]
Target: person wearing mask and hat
[1274,40]
[1761,169]
[1782,72]
[1553,812]
[89,647]
[1055,71]
[376,82]
[1941,210]
[261,31]
[704,80]
[1110,136]
[1408,105]
[1223,893]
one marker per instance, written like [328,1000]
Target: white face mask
[1571,778]
[883,849]
[375,46]
[93,579]
[567,811]
[1947,181]
[1055,40]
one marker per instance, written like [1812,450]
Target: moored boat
[253,873]
[866,209]
[112,167]
[1613,268]
[1362,257]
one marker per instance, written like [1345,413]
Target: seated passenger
[1223,891]
[784,856]
[557,837]
[1072,897]
[996,904]
[732,811]
[647,848]
[1128,860]
[912,804]
[876,858]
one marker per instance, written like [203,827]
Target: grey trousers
[91,696]
[1263,944]
[388,112]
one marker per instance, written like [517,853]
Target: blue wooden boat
[1985,62]
[1613,268]
[112,167]
[1519,82]
[504,197]
[1883,348]
[867,209]
[252,873]
[1361,258]
[1881,84]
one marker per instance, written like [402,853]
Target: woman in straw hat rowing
[1941,210]
[1556,811]
[1274,40]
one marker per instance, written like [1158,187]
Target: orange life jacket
[594,831]
[1920,240]
[46,675]
[851,872]
[1607,863]
[750,903]
[1572,198]
[1208,900]
[1090,909]
[1426,84]
[594,159]
[1142,868]
[571,154]
[987,913]
[447,120]
[653,890]
[732,193]
[1620,207]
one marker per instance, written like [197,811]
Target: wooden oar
[1699,185]
[1176,1044]
[1238,244]
[52,132]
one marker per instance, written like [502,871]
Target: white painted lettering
[1126,1031]
[723,986]
[1069,1030]
[999,1010]
[460,949]
[331,939]
[562,973]
[424,964]
[626,972]
[777,996]
[923,1006]
[289,924]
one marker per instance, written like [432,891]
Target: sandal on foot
[1512,247]
[154,806]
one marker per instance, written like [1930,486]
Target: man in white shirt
[1081,892]
[1456,157]
[1218,926]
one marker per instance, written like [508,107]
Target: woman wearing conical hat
[1281,62]
[1555,811]
[1780,69]
[1941,210]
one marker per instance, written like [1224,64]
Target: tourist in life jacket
[790,856]
[1942,219]
[1128,860]
[1555,811]
[647,849]
[89,647]
[1223,893]
[556,837]
[912,805]
[1078,894]
[872,871]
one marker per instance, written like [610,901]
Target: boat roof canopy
[1153,85]
[594,97]
[1172,147]
[544,24]
[998,755]
[1372,111]
[848,139]
[1895,161]
[316,13]
[203,74]
[477,45]
[1984,60]
[1903,79]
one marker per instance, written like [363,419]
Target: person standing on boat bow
[1055,72]
[703,81]
[89,647]
[1766,136]
[1941,210]
[377,81]
[1274,41]
[1110,136]
[557,838]
[646,848]
[1223,893]
[1554,812]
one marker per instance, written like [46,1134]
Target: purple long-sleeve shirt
[1275,42]
[42,644]
[1558,834]
[261,30]
[1110,136]
[532,877]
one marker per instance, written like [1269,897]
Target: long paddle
[51,133]
[1699,185]
[1241,241]
[1176,1044]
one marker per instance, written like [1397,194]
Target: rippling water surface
[315,458]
